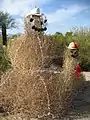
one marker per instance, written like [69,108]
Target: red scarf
[77,71]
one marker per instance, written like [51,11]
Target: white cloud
[20,21]
[57,20]
[62,19]
[20,27]
[19,7]
[62,14]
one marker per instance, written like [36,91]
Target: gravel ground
[81,104]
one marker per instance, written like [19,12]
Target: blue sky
[62,15]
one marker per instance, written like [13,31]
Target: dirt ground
[81,104]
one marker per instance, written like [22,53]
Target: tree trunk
[4,34]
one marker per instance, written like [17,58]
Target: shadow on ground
[80,109]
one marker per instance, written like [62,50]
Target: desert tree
[6,22]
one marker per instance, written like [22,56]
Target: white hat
[35,11]
[72,46]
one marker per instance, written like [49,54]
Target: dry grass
[32,89]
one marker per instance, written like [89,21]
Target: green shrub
[5,62]
[80,35]
[83,38]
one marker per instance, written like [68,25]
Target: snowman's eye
[31,19]
[71,51]
[45,21]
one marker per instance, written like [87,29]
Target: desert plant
[6,22]
[5,63]
[80,35]
[31,88]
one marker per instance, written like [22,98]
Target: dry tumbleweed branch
[30,87]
